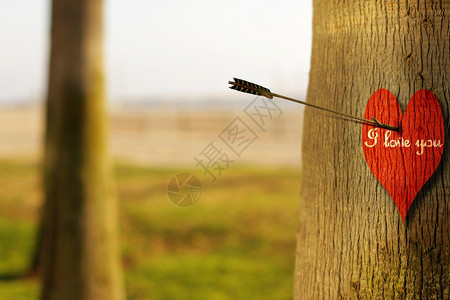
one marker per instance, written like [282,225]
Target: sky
[168,48]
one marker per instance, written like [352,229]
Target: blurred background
[167,66]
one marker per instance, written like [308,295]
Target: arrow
[255,89]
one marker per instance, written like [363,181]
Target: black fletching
[250,84]
[250,88]
[245,90]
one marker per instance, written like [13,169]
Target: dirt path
[171,138]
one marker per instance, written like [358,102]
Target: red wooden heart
[403,161]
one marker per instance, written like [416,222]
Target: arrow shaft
[335,112]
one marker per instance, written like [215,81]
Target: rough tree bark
[352,243]
[79,248]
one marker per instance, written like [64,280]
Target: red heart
[403,161]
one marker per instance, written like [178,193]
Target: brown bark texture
[351,241]
[79,247]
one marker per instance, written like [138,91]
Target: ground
[237,242]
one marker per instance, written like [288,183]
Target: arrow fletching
[250,88]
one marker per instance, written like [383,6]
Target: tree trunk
[79,253]
[351,240]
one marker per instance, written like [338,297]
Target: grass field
[237,242]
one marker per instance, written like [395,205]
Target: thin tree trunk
[79,247]
[352,243]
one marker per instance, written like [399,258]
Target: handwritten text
[372,134]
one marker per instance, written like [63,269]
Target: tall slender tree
[79,248]
[352,242]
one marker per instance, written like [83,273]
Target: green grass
[237,242]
